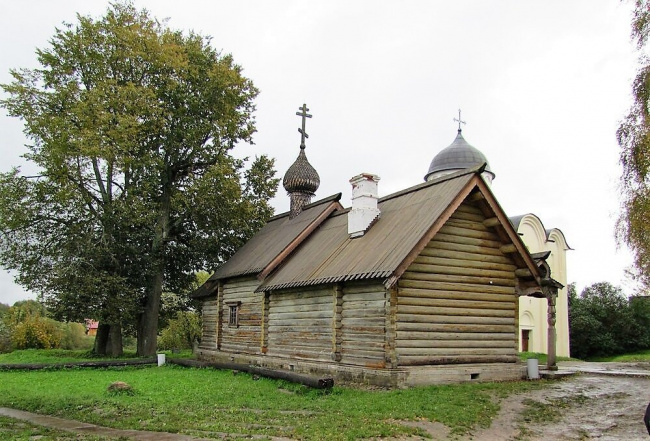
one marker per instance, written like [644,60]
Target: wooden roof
[264,251]
[408,221]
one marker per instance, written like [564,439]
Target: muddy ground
[582,407]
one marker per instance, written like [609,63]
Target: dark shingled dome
[301,176]
[458,156]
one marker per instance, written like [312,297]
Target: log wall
[300,323]
[209,319]
[363,325]
[456,302]
[245,338]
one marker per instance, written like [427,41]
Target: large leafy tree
[132,126]
[634,139]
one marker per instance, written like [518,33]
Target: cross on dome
[303,113]
[460,121]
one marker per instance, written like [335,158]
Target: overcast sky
[542,86]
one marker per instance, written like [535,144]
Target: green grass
[28,356]
[523,356]
[626,358]
[206,402]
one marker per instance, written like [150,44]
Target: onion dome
[301,176]
[458,156]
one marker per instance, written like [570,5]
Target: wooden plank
[364,288]
[471,225]
[276,309]
[416,288]
[407,345]
[362,296]
[463,215]
[363,305]
[405,336]
[363,321]
[447,303]
[478,250]
[468,232]
[454,327]
[455,278]
[301,301]
[502,270]
[450,310]
[454,351]
[464,240]
[470,287]
[448,319]
[300,315]
[465,359]
[434,251]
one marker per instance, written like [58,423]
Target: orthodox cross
[460,121]
[303,113]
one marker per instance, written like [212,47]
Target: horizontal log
[305,355]
[475,197]
[467,207]
[301,345]
[465,240]
[466,248]
[461,319]
[457,278]
[299,322]
[454,351]
[503,270]
[406,345]
[508,248]
[466,215]
[523,272]
[291,328]
[370,312]
[296,293]
[453,327]
[282,308]
[405,336]
[353,331]
[374,304]
[423,289]
[469,287]
[491,222]
[368,346]
[441,360]
[468,232]
[300,315]
[471,225]
[360,288]
[370,363]
[435,251]
[354,352]
[364,321]
[278,301]
[361,296]
[450,310]
[447,303]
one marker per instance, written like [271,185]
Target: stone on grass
[120,387]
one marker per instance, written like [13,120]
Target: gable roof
[408,221]
[266,249]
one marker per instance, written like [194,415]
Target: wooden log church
[421,286]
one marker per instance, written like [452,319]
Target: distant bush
[603,322]
[36,332]
[181,332]
[74,336]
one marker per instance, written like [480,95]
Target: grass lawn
[634,357]
[208,403]
[35,356]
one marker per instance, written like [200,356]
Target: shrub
[181,332]
[74,336]
[36,332]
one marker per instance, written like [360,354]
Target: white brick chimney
[364,209]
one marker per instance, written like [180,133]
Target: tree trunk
[101,338]
[148,319]
[108,341]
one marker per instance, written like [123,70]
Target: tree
[604,322]
[132,125]
[634,139]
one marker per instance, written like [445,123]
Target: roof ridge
[334,197]
[474,170]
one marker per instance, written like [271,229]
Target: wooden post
[551,296]
[266,300]
[391,328]
[337,327]
[219,314]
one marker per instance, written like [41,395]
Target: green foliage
[634,139]
[201,401]
[131,126]
[73,336]
[603,322]
[181,332]
[36,332]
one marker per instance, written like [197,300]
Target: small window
[233,314]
